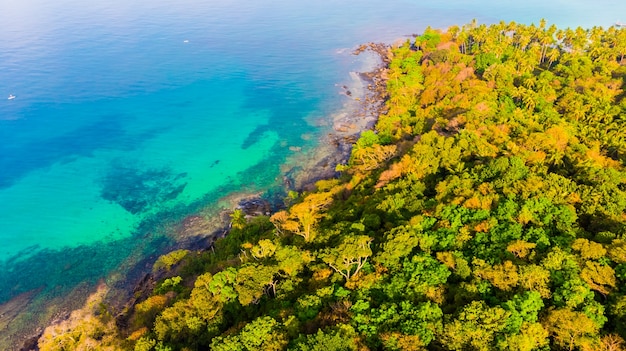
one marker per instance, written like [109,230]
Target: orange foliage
[502,276]
[473,203]
[610,342]
[536,157]
[558,137]
[520,248]
[595,155]
[394,172]
[138,334]
[482,227]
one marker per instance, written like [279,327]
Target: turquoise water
[128,115]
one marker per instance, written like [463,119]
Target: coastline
[365,100]
[365,97]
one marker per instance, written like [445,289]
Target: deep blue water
[130,114]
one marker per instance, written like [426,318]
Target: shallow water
[128,115]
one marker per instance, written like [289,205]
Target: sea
[119,119]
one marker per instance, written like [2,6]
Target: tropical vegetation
[486,211]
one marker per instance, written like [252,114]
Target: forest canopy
[486,211]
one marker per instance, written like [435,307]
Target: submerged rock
[255,206]
[137,190]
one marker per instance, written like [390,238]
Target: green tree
[263,333]
[477,327]
[349,257]
[341,339]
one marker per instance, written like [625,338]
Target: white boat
[11,96]
[620,24]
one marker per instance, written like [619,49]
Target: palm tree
[553,55]
[547,40]
[238,219]
[621,44]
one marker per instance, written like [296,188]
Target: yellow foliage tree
[589,250]
[369,158]
[532,336]
[571,329]
[535,278]
[502,276]
[599,277]
[617,251]
[302,218]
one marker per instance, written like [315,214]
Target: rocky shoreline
[366,96]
